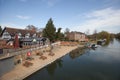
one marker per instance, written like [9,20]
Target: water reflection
[118,40]
[106,43]
[52,67]
[76,53]
[80,51]
[103,63]
[106,54]
[110,41]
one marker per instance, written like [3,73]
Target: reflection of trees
[108,42]
[59,62]
[118,40]
[111,40]
[76,53]
[51,68]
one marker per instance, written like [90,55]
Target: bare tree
[67,30]
[95,34]
[31,27]
[87,32]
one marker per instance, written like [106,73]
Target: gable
[13,31]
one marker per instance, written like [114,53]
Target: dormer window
[34,35]
[19,35]
[27,35]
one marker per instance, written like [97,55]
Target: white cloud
[23,17]
[51,2]
[101,19]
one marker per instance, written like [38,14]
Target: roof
[77,32]
[31,39]
[13,31]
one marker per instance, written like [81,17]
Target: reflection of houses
[76,36]
[26,37]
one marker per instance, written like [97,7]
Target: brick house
[76,36]
[2,43]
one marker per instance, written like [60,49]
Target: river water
[103,63]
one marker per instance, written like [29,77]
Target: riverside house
[27,41]
[77,36]
[26,37]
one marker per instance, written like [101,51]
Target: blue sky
[77,15]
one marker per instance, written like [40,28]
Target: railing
[13,52]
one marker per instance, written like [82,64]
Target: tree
[31,27]
[58,34]
[50,30]
[112,36]
[117,36]
[95,34]
[103,35]
[67,30]
[95,31]
[0,29]
[87,32]
[40,29]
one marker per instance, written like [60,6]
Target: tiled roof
[13,31]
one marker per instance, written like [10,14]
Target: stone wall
[6,65]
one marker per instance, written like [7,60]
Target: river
[103,63]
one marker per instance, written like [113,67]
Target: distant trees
[87,32]
[37,30]
[103,35]
[95,34]
[117,36]
[112,36]
[67,30]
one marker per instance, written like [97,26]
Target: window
[6,35]
[27,35]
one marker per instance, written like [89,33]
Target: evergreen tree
[50,30]
[58,34]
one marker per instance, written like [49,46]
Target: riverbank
[102,63]
[20,72]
